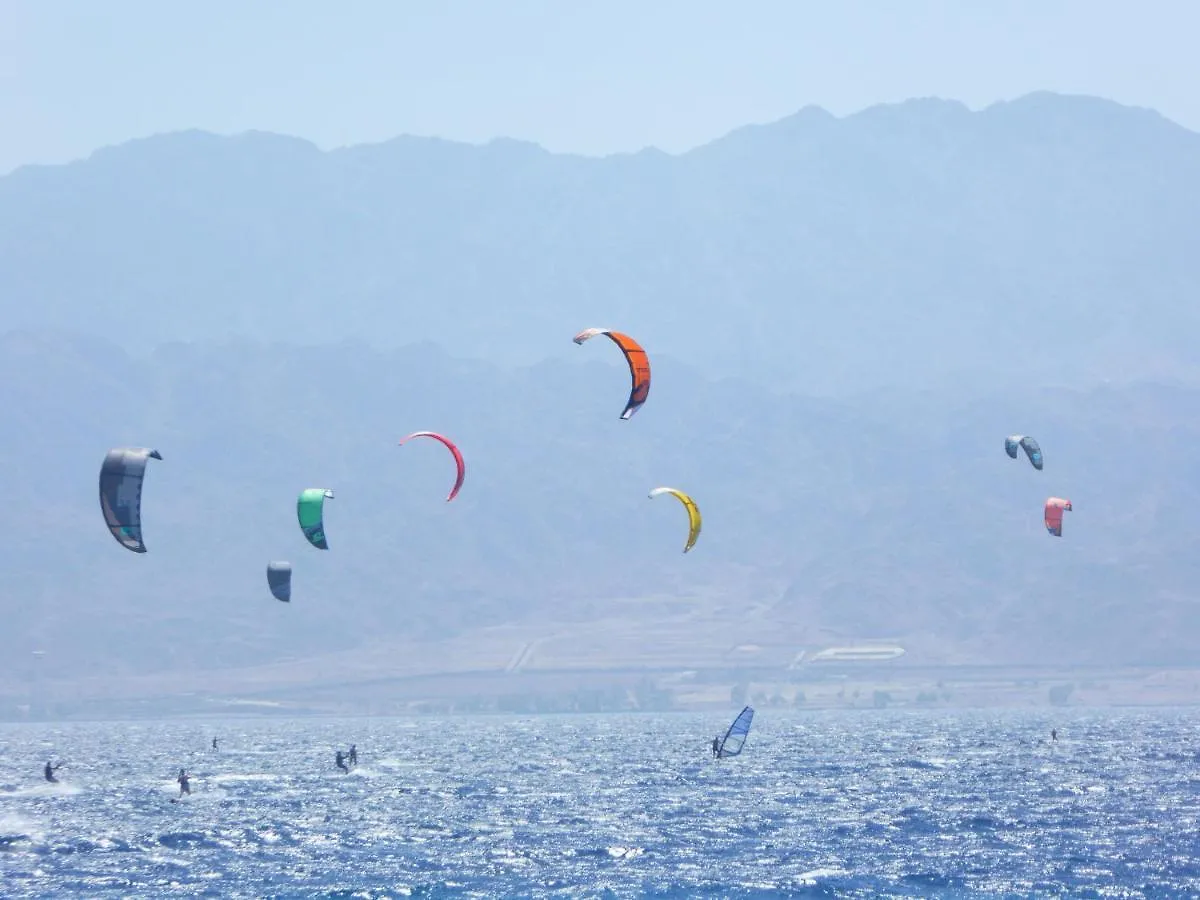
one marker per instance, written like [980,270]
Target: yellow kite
[693,512]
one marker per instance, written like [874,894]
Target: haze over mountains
[845,318]
[1047,238]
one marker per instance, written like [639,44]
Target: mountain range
[1050,238]
[845,318]
[824,520]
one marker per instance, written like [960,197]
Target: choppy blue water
[879,804]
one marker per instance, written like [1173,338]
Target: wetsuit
[214,743]
[716,747]
[341,761]
[49,773]
[184,788]
[353,755]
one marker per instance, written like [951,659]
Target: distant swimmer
[49,772]
[353,755]
[184,787]
[341,761]
[1053,734]
[716,746]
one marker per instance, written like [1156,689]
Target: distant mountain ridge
[824,521]
[845,318]
[1047,239]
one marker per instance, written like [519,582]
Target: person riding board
[184,787]
[49,772]
[341,761]
[716,746]
[352,756]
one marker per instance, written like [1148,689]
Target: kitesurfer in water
[184,787]
[49,772]
[214,743]
[716,746]
[1054,734]
[341,761]
[352,756]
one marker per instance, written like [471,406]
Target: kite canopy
[279,580]
[693,512]
[1055,507]
[310,510]
[639,365]
[458,458]
[121,477]
[735,737]
[1026,443]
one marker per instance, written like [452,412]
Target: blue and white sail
[735,737]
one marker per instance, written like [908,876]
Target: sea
[870,803]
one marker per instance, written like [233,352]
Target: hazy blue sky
[592,76]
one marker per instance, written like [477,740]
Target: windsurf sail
[735,737]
